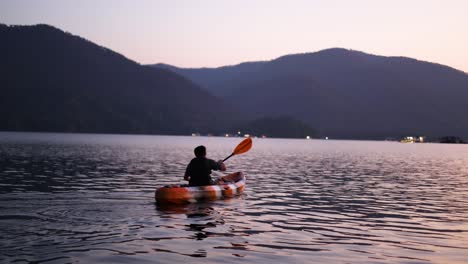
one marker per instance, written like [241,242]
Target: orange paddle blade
[243,147]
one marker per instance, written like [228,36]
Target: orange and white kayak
[227,186]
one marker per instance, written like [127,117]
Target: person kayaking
[199,169]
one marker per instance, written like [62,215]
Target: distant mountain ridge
[55,81]
[347,94]
[211,78]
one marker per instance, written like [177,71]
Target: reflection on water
[67,198]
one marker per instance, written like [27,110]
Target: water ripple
[90,198]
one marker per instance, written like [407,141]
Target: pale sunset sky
[212,33]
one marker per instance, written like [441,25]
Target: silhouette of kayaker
[198,171]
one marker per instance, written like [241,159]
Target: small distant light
[227,135]
[308,137]
[238,132]
[326,138]
[246,135]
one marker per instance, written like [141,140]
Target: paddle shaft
[228,157]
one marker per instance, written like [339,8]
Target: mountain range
[346,93]
[54,81]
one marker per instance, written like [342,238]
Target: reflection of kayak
[227,186]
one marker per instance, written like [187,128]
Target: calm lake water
[85,198]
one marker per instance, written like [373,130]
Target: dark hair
[200,151]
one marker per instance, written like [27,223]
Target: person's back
[199,169]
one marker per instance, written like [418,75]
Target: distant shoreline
[213,136]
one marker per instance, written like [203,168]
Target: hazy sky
[197,33]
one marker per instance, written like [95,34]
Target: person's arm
[187,173]
[219,165]
[222,167]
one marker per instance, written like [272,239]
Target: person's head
[200,151]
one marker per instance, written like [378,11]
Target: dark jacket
[199,170]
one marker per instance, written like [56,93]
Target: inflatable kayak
[227,186]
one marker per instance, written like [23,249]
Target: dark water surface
[78,198]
